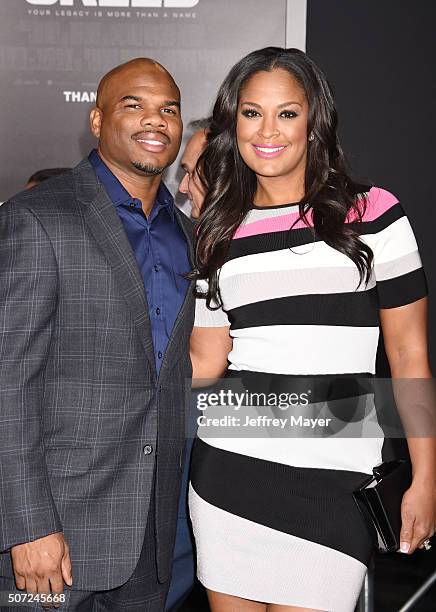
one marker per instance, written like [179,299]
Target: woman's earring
[311,137]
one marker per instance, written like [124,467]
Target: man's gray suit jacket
[85,422]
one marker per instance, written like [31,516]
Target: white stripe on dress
[276,567]
[304,349]
[393,242]
[254,287]
[209,318]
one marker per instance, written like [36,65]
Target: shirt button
[159,355]
[156,268]
[148,449]
[132,204]
[158,311]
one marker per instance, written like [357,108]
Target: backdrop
[54,52]
[379,57]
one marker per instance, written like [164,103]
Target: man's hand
[42,566]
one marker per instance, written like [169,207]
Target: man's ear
[95,119]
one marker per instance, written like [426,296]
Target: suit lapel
[108,231]
[188,229]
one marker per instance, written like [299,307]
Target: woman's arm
[405,336]
[209,350]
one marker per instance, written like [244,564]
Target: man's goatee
[148,168]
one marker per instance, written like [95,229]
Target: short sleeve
[204,317]
[398,268]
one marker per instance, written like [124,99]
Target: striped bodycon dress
[273,517]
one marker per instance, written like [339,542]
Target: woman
[302,265]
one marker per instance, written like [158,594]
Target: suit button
[148,449]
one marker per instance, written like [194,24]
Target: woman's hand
[405,334]
[418,515]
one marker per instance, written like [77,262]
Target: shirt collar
[119,195]
[164,199]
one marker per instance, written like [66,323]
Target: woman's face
[271,126]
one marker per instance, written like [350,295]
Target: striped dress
[274,518]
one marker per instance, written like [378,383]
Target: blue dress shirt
[160,249]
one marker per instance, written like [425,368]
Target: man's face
[138,121]
[191,184]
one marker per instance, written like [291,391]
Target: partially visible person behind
[42,175]
[182,579]
[191,185]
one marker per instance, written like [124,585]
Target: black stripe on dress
[358,309]
[276,241]
[402,290]
[313,504]
[323,387]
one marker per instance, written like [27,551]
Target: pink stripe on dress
[378,202]
[270,225]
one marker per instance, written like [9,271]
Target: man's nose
[154,119]
[183,186]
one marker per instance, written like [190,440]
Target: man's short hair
[200,124]
[43,175]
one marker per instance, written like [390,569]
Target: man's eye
[288,114]
[250,112]
[133,106]
[171,111]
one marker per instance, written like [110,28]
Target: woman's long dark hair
[330,193]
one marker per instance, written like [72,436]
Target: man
[191,184]
[183,563]
[96,319]
[43,175]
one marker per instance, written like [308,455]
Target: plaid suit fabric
[79,397]
[141,593]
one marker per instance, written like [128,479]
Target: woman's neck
[274,190]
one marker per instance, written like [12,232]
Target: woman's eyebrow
[278,106]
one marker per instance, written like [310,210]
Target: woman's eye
[288,114]
[250,112]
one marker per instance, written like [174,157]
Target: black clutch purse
[379,500]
